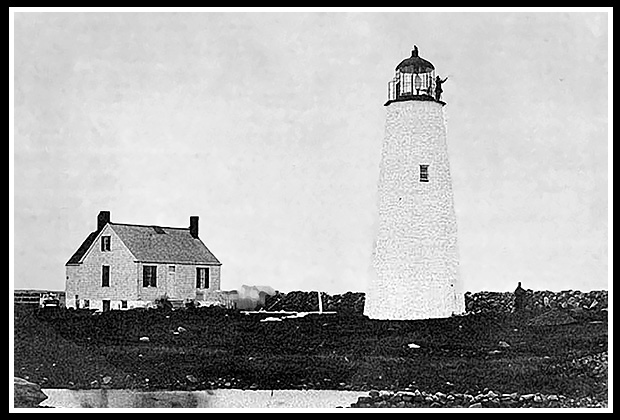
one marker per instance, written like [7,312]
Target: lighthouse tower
[415,258]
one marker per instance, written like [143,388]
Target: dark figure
[519,298]
[438,88]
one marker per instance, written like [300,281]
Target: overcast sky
[269,127]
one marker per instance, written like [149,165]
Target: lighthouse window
[423,173]
[406,83]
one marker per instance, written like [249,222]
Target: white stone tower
[415,258]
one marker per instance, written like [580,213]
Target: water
[219,398]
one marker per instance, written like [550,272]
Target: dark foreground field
[223,349]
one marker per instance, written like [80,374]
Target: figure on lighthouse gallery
[415,257]
[439,87]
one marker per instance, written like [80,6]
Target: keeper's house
[122,266]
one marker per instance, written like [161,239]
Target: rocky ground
[595,365]
[494,360]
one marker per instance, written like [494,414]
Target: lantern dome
[415,64]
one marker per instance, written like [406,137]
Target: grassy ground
[220,349]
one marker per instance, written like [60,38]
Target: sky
[269,127]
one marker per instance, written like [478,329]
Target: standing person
[438,88]
[519,298]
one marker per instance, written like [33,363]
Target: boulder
[271,319]
[27,394]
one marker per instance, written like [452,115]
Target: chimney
[193,226]
[102,219]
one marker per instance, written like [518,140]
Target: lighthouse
[415,257]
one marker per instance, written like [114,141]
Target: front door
[172,271]
[106,305]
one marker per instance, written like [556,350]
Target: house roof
[77,256]
[155,244]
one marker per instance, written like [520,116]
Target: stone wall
[348,303]
[479,302]
[535,300]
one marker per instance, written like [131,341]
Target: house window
[202,278]
[123,304]
[86,303]
[149,276]
[105,276]
[423,173]
[105,243]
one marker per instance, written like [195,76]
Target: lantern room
[414,80]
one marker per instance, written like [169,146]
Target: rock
[503,344]
[538,399]
[191,378]
[145,339]
[106,380]
[26,394]
[476,405]
[429,399]
[513,396]
[440,396]
[495,352]
[181,330]
[413,346]
[491,403]
[417,396]
[436,405]
[552,397]
[526,397]
[270,319]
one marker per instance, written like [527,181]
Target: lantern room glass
[406,85]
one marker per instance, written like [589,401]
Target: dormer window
[105,243]
[423,173]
